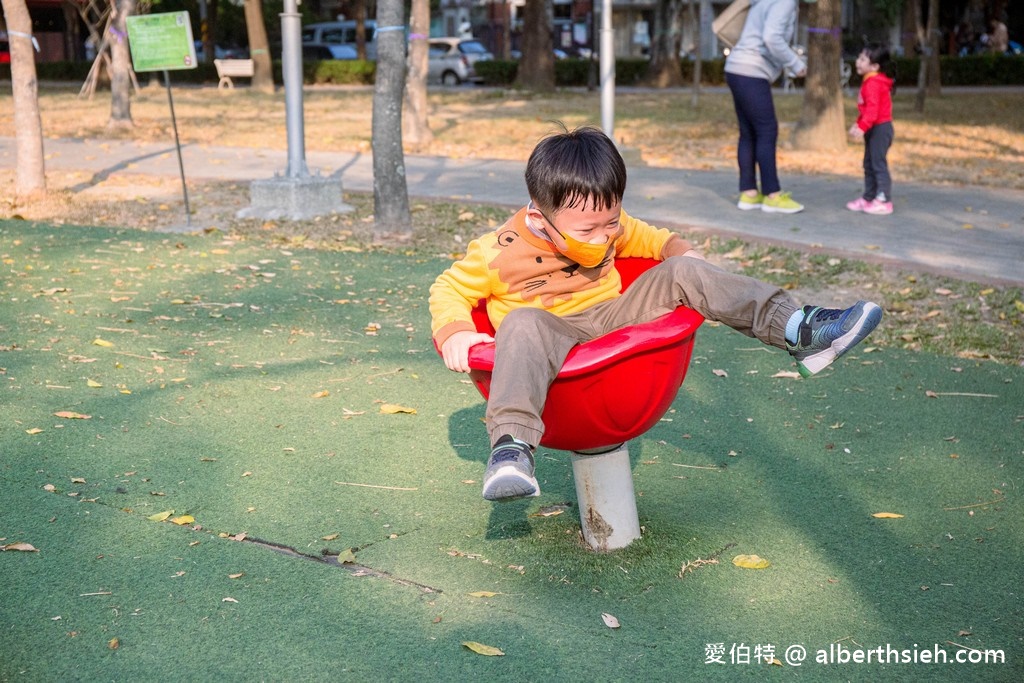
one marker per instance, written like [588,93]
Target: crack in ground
[333,560]
[325,558]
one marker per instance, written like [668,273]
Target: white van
[335,33]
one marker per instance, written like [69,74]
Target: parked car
[221,52]
[451,60]
[319,53]
[341,33]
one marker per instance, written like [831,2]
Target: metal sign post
[163,42]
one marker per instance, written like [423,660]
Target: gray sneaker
[827,333]
[509,472]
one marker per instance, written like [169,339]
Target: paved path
[970,232]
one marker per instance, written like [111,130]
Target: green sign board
[161,42]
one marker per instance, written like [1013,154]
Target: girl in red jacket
[874,127]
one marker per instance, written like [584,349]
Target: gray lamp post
[296,195]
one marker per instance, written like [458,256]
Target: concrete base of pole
[294,198]
[604,491]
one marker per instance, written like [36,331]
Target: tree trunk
[664,70]
[209,36]
[928,76]
[537,65]
[390,193]
[698,51]
[822,125]
[359,8]
[30,172]
[417,128]
[120,67]
[259,49]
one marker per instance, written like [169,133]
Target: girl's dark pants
[877,181]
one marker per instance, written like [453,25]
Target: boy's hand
[856,133]
[455,351]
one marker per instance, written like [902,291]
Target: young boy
[548,276]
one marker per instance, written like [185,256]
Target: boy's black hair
[570,168]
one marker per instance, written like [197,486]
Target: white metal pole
[607,70]
[291,66]
[604,492]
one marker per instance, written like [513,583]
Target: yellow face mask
[584,253]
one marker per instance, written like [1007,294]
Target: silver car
[451,60]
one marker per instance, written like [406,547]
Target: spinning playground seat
[610,390]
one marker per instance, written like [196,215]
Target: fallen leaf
[720,373]
[160,516]
[236,576]
[787,374]
[347,557]
[24,547]
[102,342]
[482,649]
[228,600]
[92,384]
[114,643]
[34,430]
[391,409]
[887,515]
[751,562]
[71,415]
[77,480]
[183,520]
[551,510]
[483,594]
[330,537]
[610,621]
[321,394]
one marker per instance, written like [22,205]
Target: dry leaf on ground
[751,562]
[482,649]
[392,408]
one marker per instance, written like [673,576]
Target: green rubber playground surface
[244,461]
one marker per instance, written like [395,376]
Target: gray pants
[531,344]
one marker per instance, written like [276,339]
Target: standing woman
[753,64]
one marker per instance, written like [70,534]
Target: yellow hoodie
[512,267]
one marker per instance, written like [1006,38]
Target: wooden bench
[232,68]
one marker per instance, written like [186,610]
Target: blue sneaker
[827,333]
[509,472]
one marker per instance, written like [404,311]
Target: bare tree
[698,51]
[664,70]
[928,76]
[537,65]
[822,125]
[417,128]
[30,172]
[390,192]
[359,9]
[121,76]
[259,48]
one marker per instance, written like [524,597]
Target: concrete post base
[294,198]
[604,491]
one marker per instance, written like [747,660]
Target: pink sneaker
[877,208]
[858,204]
